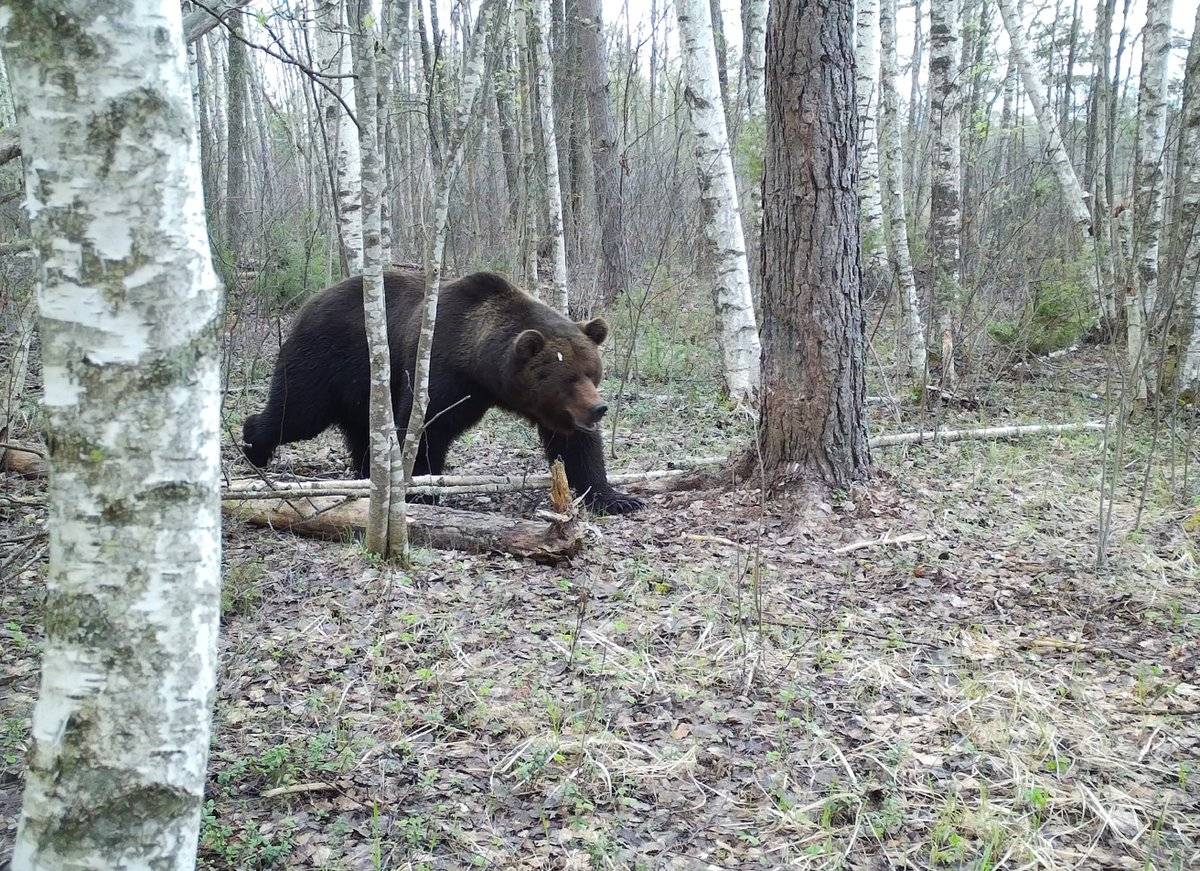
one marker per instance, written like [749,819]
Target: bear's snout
[596,413]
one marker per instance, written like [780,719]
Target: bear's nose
[597,413]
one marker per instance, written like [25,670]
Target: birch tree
[893,194]
[945,222]
[867,85]
[363,44]
[814,388]
[1189,210]
[447,170]
[544,70]
[736,328]
[754,38]
[1148,177]
[130,319]
[1064,170]
[333,58]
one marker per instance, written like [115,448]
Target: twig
[882,540]
[315,786]
[992,432]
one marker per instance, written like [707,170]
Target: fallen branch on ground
[336,518]
[883,540]
[985,434]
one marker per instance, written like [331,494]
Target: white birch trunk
[545,80]
[363,41]
[754,47]
[866,76]
[333,57]
[1152,129]
[8,115]
[130,321]
[1189,210]
[736,328]
[1056,151]
[452,158]
[945,220]
[893,194]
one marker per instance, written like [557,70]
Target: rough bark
[737,331]
[363,43]
[893,194]
[814,391]
[867,84]
[945,221]
[614,255]
[540,34]
[130,313]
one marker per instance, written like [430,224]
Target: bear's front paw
[612,502]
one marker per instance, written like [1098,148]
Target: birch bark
[130,316]
[363,43]
[1189,209]
[893,193]
[945,222]
[737,331]
[867,87]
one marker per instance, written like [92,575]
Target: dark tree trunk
[235,195]
[614,259]
[814,396]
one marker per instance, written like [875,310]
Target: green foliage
[1055,315]
[749,150]
[295,266]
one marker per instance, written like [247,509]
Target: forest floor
[718,681]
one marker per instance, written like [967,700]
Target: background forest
[983,655]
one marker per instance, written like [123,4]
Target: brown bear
[493,345]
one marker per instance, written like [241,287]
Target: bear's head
[558,375]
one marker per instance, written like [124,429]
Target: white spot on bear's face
[559,355]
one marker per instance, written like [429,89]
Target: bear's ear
[596,329]
[528,345]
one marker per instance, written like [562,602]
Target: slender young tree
[363,44]
[814,391]
[945,222]
[416,402]
[867,84]
[1064,170]
[333,58]
[130,322]
[1188,244]
[736,328]
[754,22]
[1148,182]
[540,35]
[237,183]
[614,255]
[893,194]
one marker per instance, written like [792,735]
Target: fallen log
[24,461]
[984,434]
[338,518]
[251,489]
